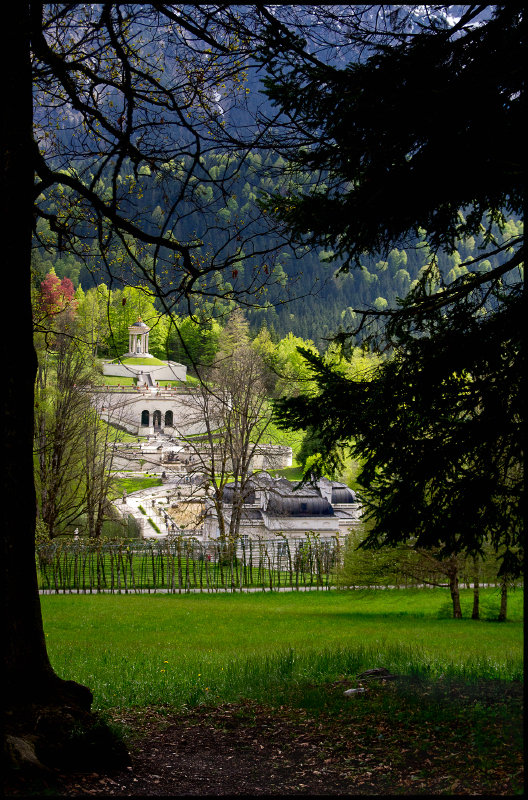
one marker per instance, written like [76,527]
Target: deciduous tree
[231,405]
[102,100]
[62,405]
[55,295]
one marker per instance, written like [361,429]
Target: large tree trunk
[27,668]
[41,711]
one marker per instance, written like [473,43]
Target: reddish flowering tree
[55,296]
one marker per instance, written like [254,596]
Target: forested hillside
[304,295]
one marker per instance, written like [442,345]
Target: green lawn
[185,649]
[130,485]
[293,473]
[119,435]
[118,380]
[121,380]
[139,361]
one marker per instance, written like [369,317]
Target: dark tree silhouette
[422,138]
[101,102]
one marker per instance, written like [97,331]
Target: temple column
[138,341]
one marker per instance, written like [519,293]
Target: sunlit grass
[293,473]
[139,361]
[133,485]
[184,650]
[118,380]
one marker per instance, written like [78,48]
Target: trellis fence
[181,564]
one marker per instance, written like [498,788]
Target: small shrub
[41,533]
[120,529]
[154,525]
[142,510]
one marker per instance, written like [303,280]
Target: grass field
[119,380]
[133,485]
[138,361]
[293,473]
[185,650]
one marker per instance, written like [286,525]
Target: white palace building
[272,505]
[147,408]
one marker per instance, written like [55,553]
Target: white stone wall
[170,371]
[273,456]
[291,527]
[125,409]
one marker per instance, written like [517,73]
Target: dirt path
[249,749]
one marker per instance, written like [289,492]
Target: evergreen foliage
[313,301]
[386,179]
[439,427]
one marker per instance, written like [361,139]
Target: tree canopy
[439,427]
[424,135]
[103,100]
[107,101]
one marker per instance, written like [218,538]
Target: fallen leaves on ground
[247,748]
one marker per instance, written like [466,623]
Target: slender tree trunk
[99,519]
[504,602]
[475,614]
[454,588]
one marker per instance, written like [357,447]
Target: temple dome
[139,324]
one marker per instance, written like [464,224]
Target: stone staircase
[146,378]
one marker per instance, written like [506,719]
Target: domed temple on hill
[141,365]
[138,339]
[157,398]
[158,401]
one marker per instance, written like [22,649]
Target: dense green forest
[304,295]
